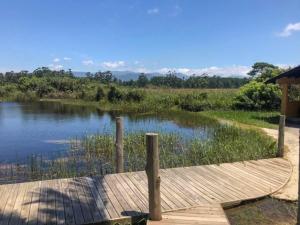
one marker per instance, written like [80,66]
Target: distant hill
[128,75]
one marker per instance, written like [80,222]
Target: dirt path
[291,153]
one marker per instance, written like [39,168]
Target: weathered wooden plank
[240,183]
[84,204]
[51,210]
[212,214]
[34,204]
[98,200]
[59,204]
[78,214]
[25,211]
[122,196]
[92,200]
[109,199]
[8,210]
[6,189]
[16,211]
[167,202]
[67,201]
[195,191]
[133,196]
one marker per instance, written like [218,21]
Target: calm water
[46,127]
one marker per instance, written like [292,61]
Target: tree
[259,67]
[104,77]
[142,80]
[258,96]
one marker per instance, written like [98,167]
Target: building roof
[292,73]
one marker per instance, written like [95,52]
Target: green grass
[255,118]
[217,104]
[267,211]
[94,154]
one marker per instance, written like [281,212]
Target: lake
[47,127]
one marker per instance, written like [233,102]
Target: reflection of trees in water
[1,111]
[58,111]
[182,119]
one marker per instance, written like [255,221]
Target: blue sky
[189,36]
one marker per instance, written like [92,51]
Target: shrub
[258,96]
[114,94]
[194,106]
[100,94]
[29,96]
[135,95]
[194,102]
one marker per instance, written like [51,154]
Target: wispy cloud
[56,60]
[290,29]
[113,65]
[67,58]
[88,62]
[55,66]
[234,70]
[153,11]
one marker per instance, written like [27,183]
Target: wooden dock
[212,214]
[124,196]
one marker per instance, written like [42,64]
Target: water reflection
[27,128]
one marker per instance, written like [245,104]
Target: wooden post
[152,171]
[119,145]
[281,136]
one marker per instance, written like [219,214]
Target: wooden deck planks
[202,215]
[118,196]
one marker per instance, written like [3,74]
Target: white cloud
[88,62]
[141,70]
[234,70]
[55,66]
[56,60]
[67,58]
[153,11]
[290,29]
[113,65]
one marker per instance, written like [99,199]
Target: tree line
[170,80]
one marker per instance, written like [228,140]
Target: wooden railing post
[119,145]
[281,136]
[152,171]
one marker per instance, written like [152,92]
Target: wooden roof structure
[293,73]
[285,80]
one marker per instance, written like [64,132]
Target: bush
[258,96]
[135,95]
[29,96]
[194,102]
[100,94]
[114,94]
[194,106]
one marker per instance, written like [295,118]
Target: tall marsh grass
[95,154]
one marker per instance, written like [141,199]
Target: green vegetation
[254,118]
[94,154]
[258,95]
[267,211]
[153,95]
